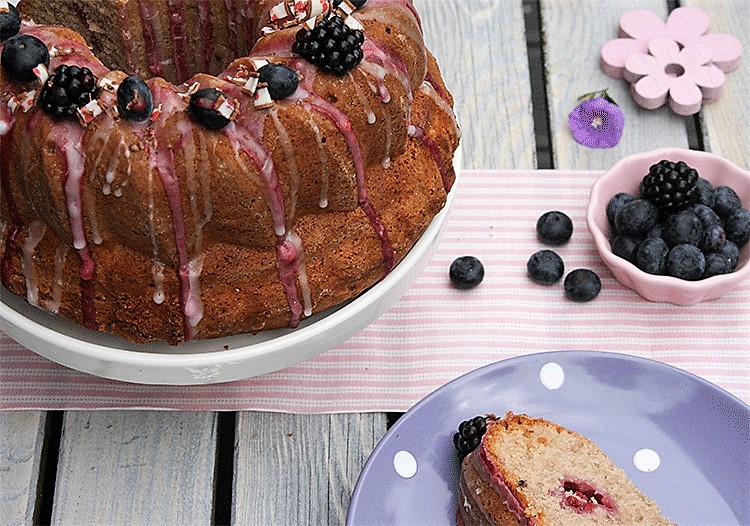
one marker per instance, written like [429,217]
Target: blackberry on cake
[530,471]
[68,89]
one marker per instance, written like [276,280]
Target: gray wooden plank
[579,28]
[481,48]
[21,441]
[726,124]
[135,467]
[300,469]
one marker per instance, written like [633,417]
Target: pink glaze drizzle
[419,134]
[149,22]
[232,15]
[207,34]
[127,38]
[179,39]
[487,469]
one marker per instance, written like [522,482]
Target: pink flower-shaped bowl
[626,176]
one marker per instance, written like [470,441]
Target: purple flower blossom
[597,122]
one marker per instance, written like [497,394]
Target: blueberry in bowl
[698,248]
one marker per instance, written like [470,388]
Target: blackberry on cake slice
[529,471]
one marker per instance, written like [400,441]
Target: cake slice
[529,471]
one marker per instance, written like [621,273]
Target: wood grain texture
[481,48]
[300,469]
[726,122]
[574,32]
[21,441]
[127,467]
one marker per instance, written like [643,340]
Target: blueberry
[625,247]
[737,226]
[134,100]
[651,256]
[726,201]
[582,285]
[21,54]
[356,3]
[732,252]
[545,267]
[615,203]
[713,239]
[656,231]
[282,80]
[10,23]
[717,264]
[554,228]
[466,272]
[636,217]
[705,192]
[683,227]
[686,262]
[707,216]
[201,109]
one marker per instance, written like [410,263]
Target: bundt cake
[179,169]
[531,472]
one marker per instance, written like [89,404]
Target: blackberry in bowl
[701,268]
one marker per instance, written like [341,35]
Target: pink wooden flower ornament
[685,25]
[686,76]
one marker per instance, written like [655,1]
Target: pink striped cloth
[436,333]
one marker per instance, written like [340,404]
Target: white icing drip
[4,127]
[75,160]
[429,90]
[157,272]
[188,149]
[324,174]
[193,304]
[109,176]
[378,72]
[371,118]
[286,144]
[301,271]
[61,254]
[34,236]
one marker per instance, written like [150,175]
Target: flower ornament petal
[726,50]
[693,56]
[651,91]
[642,25]
[686,24]
[639,65]
[664,48]
[685,97]
[710,80]
[615,52]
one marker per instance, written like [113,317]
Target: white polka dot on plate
[551,375]
[405,464]
[646,460]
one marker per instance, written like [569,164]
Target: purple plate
[684,441]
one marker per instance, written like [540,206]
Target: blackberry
[134,100]
[331,45]
[670,186]
[10,22]
[469,435]
[21,54]
[466,272]
[282,80]
[554,228]
[68,89]
[582,285]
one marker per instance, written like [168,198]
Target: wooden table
[516,68]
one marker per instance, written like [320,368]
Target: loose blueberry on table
[701,227]
[466,272]
[582,285]
[554,228]
[545,267]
